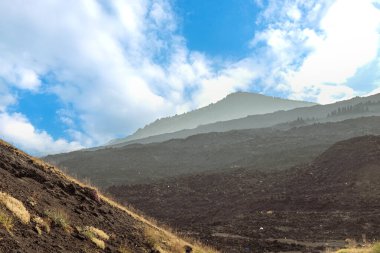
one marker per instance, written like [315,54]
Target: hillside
[307,208]
[234,106]
[43,210]
[348,109]
[263,149]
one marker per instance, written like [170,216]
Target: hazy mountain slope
[353,108]
[334,198]
[42,210]
[256,148]
[234,106]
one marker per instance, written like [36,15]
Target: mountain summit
[234,106]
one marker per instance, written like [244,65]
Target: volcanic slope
[262,149]
[42,210]
[347,109]
[307,208]
[234,106]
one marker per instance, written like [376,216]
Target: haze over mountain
[258,149]
[353,108]
[307,208]
[234,106]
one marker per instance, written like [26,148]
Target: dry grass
[6,221]
[15,206]
[165,237]
[41,225]
[375,248]
[95,235]
[59,218]
[123,249]
[98,233]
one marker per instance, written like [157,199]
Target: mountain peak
[234,106]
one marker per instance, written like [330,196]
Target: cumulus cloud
[119,64]
[323,50]
[20,132]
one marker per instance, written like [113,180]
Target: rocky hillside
[264,149]
[309,208]
[43,210]
[234,106]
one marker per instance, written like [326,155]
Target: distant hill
[234,106]
[263,149]
[43,210]
[347,109]
[308,208]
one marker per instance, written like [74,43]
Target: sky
[78,73]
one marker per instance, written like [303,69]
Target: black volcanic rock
[335,197]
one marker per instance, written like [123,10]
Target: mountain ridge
[262,149]
[357,107]
[234,106]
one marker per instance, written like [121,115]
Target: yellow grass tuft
[41,225]
[15,206]
[6,221]
[95,235]
[99,243]
[97,232]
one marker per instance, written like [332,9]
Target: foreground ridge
[44,210]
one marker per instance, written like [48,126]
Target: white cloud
[121,66]
[345,38]
[118,67]
[16,129]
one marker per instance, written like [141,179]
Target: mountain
[234,106]
[308,208]
[43,210]
[257,149]
[353,108]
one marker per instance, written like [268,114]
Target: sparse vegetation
[368,249]
[123,249]
[95,235]
[6,221]
[15,206]
[59,218]
[56,217]
[41,225]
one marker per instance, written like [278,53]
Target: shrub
[15,206]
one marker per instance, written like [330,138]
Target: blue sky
[76,74]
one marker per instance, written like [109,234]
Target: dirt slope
[42,210]
[306,208]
